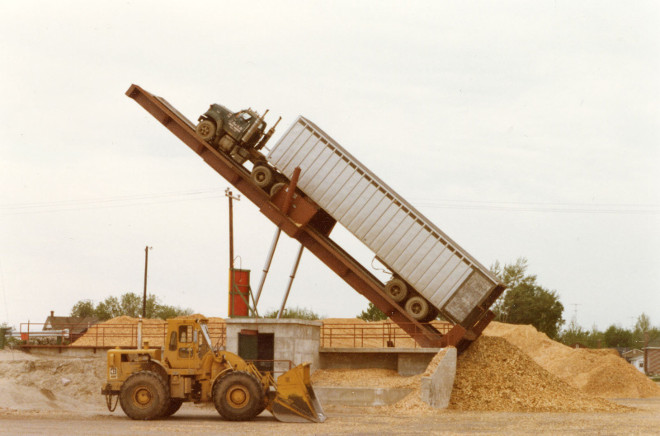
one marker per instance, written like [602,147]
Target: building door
[257,347]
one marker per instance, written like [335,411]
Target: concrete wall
[406,361]
[294,339]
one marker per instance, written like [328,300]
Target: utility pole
[231,197]
[144,295]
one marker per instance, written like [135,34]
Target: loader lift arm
[309,225]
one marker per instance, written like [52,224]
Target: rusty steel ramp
[311,226]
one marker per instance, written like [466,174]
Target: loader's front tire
[238,396]
[144,395]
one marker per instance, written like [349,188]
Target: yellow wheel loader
[153,383]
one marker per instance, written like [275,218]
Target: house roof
[630,354]
[74,324]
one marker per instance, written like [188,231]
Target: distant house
[652,359]
[636,359]
[76,326]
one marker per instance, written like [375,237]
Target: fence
[107,335]
[370,335]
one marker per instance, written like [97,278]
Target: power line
[200,194]
[108,202]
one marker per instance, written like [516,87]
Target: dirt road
[355,421]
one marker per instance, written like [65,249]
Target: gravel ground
[355,421]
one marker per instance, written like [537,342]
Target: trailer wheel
[144,395]
[417,307]
[206,129]
[238,396]
[396,289]
[262,176]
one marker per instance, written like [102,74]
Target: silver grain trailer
[427,266]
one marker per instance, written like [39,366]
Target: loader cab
[187,342]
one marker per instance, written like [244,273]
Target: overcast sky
[519,128]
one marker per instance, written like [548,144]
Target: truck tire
[262,176]
[144,395]
[238,396]
[276,188]
[206,129]
[417,308]
[396,289]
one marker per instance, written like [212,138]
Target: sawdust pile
[600,373]
[354,332]
[370,377]
[122,332]
[494,375]
[30,382]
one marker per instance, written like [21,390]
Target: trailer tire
[206,129]
[417,307]
[396,289]
[262,176]
[144,395]
[238,396]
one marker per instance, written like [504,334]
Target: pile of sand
[356,333]
[122,332]
[600,373]
[29,382]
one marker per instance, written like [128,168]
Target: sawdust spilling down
[600,373]
[494,375]
[122,332]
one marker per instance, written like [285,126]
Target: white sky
[519,128]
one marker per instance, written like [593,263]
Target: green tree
[644,333]
[83,309]
[294,312]
[526,302]
[372,314]
[618,337]
[128,304]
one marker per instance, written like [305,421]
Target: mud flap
[295,400]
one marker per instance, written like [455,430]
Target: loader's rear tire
[397,290]
[417,307]
[144,395]
[262,176]
[238,396]
[172,407]
[206,129]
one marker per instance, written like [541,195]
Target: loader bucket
[295,400]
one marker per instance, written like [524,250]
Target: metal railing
[107,335]
[371,335]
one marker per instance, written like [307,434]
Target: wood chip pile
[494,375]
[122,332]
[600,373]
